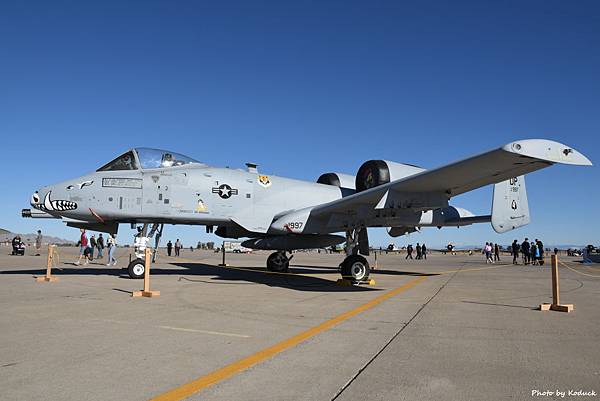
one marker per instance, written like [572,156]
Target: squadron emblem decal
[224,191]
[264,181]
[200,206]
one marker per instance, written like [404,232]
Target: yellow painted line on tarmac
[219,375]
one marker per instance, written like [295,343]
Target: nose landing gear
[137,266]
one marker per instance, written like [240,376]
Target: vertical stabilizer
[510,208]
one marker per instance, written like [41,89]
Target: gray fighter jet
[152,187]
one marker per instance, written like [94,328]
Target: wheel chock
[347,283]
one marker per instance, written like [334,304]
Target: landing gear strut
[278,262]
[355,267]
[137,266]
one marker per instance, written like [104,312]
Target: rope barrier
[578,272]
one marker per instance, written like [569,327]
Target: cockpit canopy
[147,158]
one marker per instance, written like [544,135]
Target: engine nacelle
[373,173]
[338,180]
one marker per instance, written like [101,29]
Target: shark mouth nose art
[58,205]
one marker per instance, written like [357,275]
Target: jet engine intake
[338,180]
[373,173]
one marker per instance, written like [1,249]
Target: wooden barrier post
[146,292]
[556,305]
[223,264]
[48,277]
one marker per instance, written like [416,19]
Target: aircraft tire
[278,262]
[136,269]
[355,268]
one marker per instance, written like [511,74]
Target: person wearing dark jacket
[169,248]
[525,247]
[100,246]
[496,253]
[424,251]
[419,254]
[515,252]
[92,246]
[409,250]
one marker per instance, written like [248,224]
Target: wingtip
[547,150]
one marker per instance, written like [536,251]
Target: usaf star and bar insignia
[224,191]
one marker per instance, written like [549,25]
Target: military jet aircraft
[156,187]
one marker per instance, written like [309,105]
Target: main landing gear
[278,262]
[354,269]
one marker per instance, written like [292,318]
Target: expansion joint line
[380,351]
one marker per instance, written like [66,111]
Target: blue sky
[303,88]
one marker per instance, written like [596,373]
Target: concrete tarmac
[450,327]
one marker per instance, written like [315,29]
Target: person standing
[533,252]
[169,248]
[177,247]
[525,251]
[496,253]
[111,242]
[487,250]
[409,251]
[540,247]
[515,252]
[38,242]
[15,244]
[424,251]
[419,250]
[83,244]
[100,246]
[93,245]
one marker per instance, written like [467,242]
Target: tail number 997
[295,225]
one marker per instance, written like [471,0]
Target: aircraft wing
[431,189]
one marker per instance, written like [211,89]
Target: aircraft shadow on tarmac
[307,269]
[260,275]
[218,275]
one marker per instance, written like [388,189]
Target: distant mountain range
[7,236]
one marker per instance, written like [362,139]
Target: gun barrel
[36,214]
